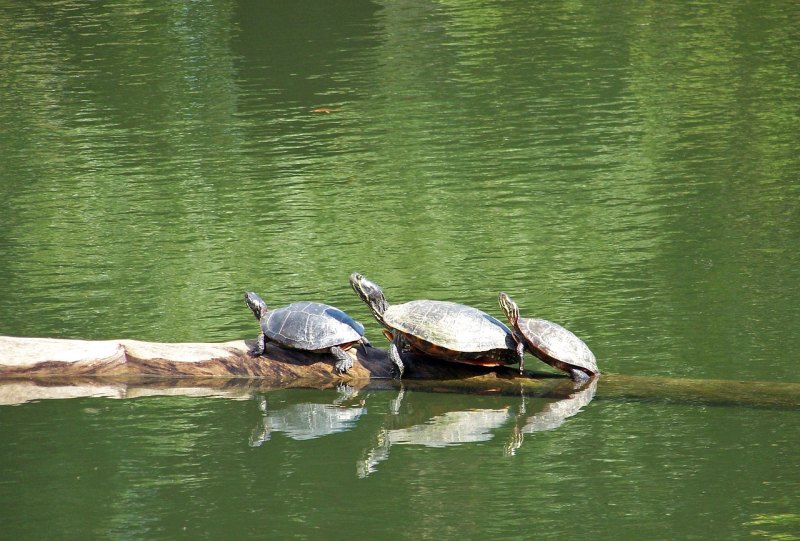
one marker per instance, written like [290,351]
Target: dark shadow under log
[114,367]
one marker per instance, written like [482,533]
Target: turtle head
[370,293]
[509,307]
[256,304]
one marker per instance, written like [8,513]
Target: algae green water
[628,170]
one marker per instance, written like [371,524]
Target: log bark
[53,368]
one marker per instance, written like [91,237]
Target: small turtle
[550,342]
[445,330]
[307,326]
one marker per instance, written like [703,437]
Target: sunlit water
[629,171]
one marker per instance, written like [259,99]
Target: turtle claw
[258,349]
[343,360]
[342,367]
[397,371]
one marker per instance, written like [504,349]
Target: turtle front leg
[343,360]
[521,355]
[394,355]
[260,346]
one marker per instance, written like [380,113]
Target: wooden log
[212,368]
[49,357]
[36,357]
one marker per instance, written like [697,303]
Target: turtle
[550,342]
[440,329]
[307,326]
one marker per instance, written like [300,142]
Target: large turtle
[307,326]
[445,330]
[550,342]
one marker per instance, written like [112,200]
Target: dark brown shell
[557,346]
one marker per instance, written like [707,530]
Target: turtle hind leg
[343,360]
[579,376]
[260,346]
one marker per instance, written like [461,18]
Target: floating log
[116,367]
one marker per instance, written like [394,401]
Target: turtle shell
[311,326]
[557,346]
[447,330]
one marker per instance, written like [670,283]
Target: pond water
[629,170]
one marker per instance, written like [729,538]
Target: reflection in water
[472,425]
[147,467]
[426,419]
[553,414]
[309,420]
[450,428]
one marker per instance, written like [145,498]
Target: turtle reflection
[309,420]
[447,428]
[552,415]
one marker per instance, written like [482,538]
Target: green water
[629,170]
